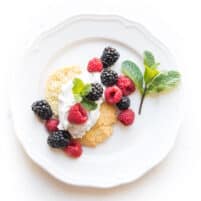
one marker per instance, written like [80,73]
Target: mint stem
[142,100]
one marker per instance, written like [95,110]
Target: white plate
[131,151]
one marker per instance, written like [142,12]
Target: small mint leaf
[149,59]
[89,105]
[78,86]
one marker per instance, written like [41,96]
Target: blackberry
[42,109]
[96,92]
[109,77]
[124,103]
[59,139]
[109,57]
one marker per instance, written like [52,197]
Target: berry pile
[57,138]
[115,95]
[118,88]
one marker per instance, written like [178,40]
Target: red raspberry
[52,124]
[95,65]
[126,85]
[74,149]
[77,114]
[126,117]
[113,94]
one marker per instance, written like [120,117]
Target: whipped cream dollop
[66,100]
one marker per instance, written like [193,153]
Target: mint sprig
[153,80]
[80,91]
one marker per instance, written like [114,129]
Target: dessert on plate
[81,105]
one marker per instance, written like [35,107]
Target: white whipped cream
[66,100]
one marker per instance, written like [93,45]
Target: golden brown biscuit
[54,83]
[103,127]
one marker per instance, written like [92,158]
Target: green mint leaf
[131,70]
[164,81]
[89,105]
[149,74]
[78,86]
[86,90]
[149,59]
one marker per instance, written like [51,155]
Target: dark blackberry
[42,109]
[109,77]
[96,92]
[124,103]
[59,139]
[109,57]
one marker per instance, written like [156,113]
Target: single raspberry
[74,149]
[52,124]
[113,94]
[77,114]
[95,65]
[126,85]
[126,117]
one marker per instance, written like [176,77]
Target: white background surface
[177,24]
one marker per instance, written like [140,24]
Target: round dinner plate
[131,151]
